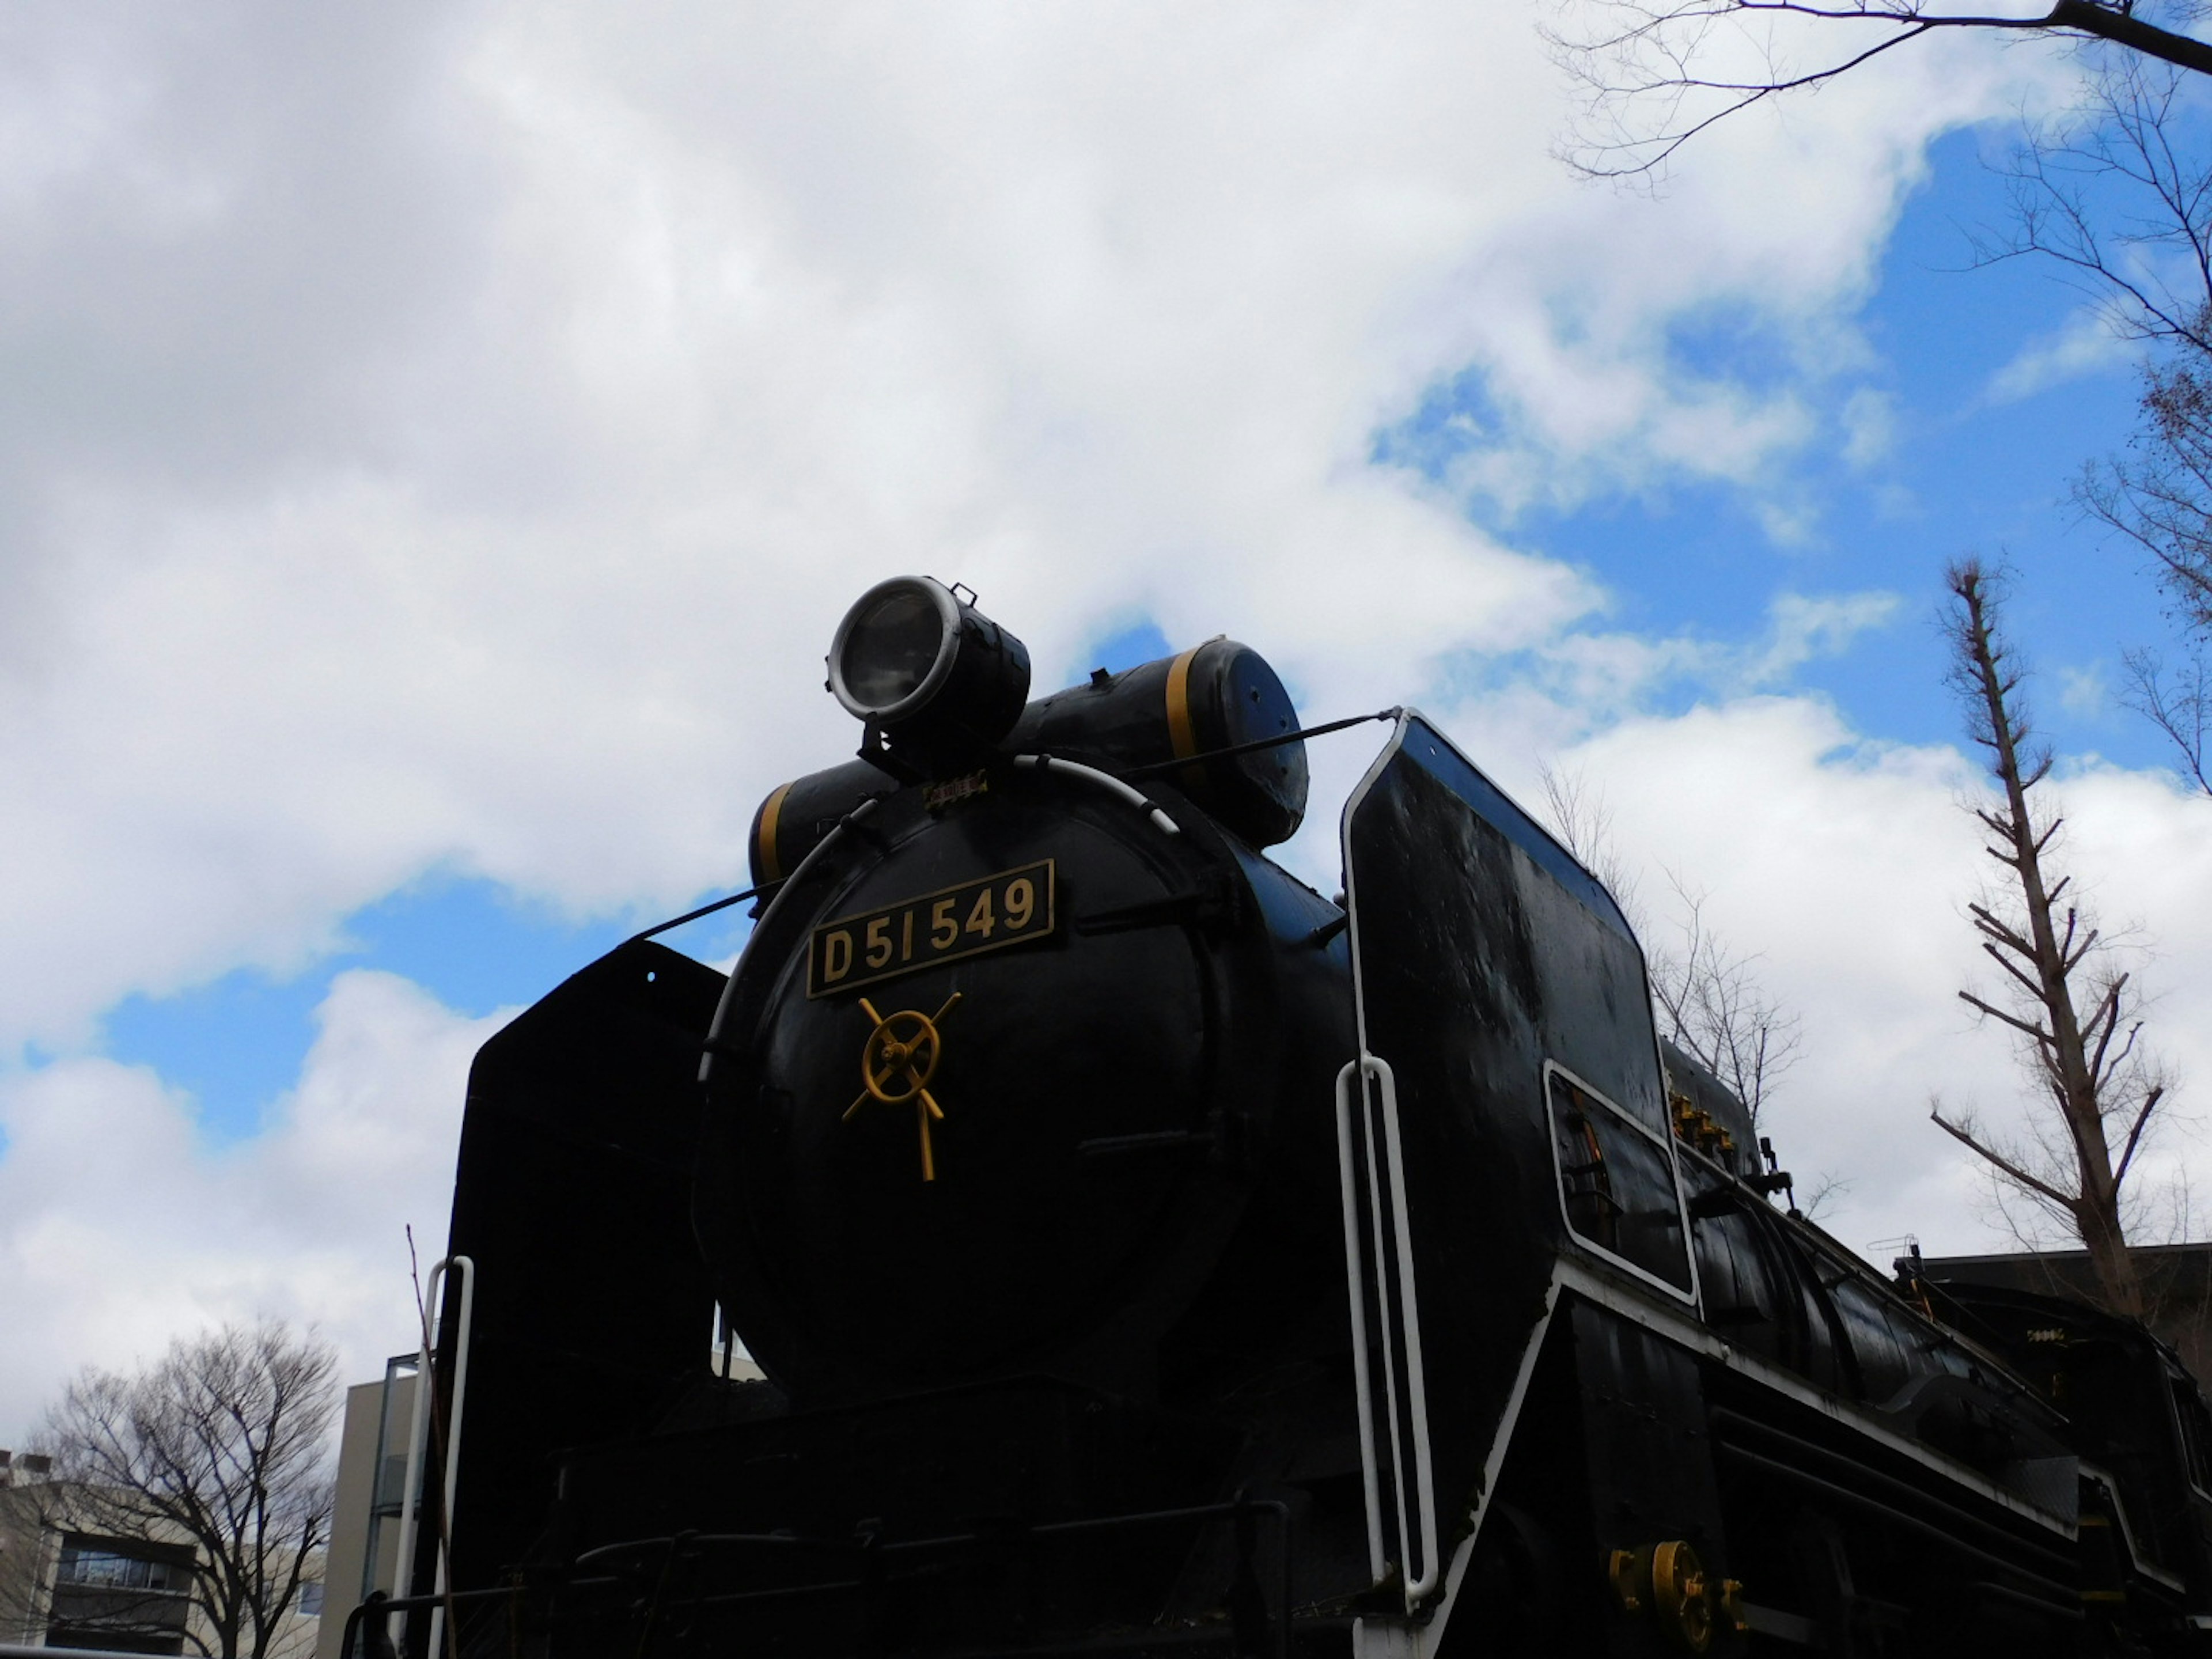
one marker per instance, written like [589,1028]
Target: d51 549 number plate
[966,921]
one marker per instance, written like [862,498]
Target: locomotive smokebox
[1014,1043]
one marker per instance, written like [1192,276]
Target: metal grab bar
[1407,1326]
[385,1605]
[1105,780]
[411,1489]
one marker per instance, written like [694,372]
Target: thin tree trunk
[2062,1051]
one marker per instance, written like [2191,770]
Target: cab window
[1617,1183]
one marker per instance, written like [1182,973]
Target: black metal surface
[593,1309]
[852,1274]
[1689,1077]
[1240,760]
[2133,1412]
[1484,951]
[937,682]
[1856,1498]
[805,811]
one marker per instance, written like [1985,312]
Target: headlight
[895,649]
[922,665]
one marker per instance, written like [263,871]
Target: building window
[311,1599]
[127,1595]
[112,1570]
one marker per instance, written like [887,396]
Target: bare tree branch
[1712,1006]
[1655,74]
[2035,1033]
[2151,1097]
[2012,1170]
[2181,709]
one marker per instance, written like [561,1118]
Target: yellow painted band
[1182,736]
[771,866]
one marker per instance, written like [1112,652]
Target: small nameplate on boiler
[965,920]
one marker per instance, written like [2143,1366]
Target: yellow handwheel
[907,1042]
[897,1063]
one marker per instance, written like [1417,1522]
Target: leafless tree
[2181,706]
[2114,193]
[2063,998]
[1583,822]
[1712,1006]
[1708,997]
[2144,249]
[2158,496]
[1653,74]
[217,1457]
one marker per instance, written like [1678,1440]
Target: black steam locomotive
[1148,1255]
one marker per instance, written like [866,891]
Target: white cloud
[456,435]
[119,1226]
[1870,421]
[2086,344]
[2083,691]
[1804,628]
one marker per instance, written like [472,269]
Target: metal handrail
[411,1491]
[382,1605]
[1105,780]
[1400,1245]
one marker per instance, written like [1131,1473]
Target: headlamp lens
[891,642]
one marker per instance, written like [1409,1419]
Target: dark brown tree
[2161,496]
[220,1452]
[2158,496]
[2122,202]
[2064,1000]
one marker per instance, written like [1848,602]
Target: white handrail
[1409,1326]
[402,1571]
[1355,1275]
[1416,1383]
[1106,781]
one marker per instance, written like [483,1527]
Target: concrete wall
[375,1425]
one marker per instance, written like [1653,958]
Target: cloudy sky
[437,442]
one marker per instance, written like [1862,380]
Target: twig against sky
[1653,77]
